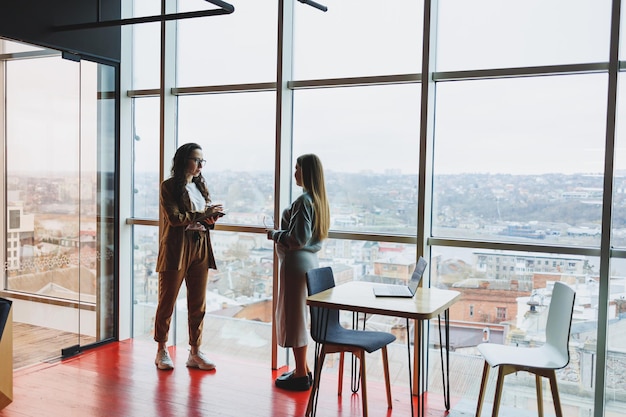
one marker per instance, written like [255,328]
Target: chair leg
[363,382]
[555,395]
[498,395]
[316,384]
[340,374]
[539,395]
[386,371]
[483,388]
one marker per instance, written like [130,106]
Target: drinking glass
[268,221]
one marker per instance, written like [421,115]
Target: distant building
[394,269]
[527,231]
[20,235]
[522,266]
[481,305]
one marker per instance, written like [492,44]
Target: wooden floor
[120,379]
[34,344]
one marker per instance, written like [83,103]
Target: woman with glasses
[303,227]
[185,252]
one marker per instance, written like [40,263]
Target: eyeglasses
[198,161]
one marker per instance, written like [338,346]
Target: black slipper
[288,374]
[292,383]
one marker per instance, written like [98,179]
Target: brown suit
[183,255]
[177,216]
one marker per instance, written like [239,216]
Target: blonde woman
[303,227]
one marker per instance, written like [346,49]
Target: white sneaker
[163,360]
[200,361]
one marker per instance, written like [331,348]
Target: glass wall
[223,125]
[357,38]
[146,158]
[60,140]
[525,161]
[615,395]
[239,48]
[368,140]
[488,34]
[232,117]
[505,300]
[505,159]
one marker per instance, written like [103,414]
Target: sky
[527,126]
[55,128]
[519,126]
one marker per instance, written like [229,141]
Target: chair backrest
[5,309]
[559,321]
[323,320]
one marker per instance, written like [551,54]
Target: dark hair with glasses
[199,161]
[179,170]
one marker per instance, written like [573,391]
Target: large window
[504,157]
[505,300]
[357,38]
[233,49]
[235,126]
[224,125]
[616,340]
[519,159]
[488,34]
[146,158]
[368,141]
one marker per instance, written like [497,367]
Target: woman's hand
[212,213]
[213,209]
[210,220]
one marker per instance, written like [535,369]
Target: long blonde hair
[313,182]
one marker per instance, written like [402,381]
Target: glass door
[97,220]
[59,165]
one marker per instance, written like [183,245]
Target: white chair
[541,361]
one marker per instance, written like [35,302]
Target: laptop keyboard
[396,289]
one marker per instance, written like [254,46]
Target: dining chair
[541,361]
[331,337]
[6,352]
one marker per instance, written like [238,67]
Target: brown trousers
[195,272]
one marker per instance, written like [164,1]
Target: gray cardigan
[296,227]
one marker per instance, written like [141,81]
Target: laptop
[407,291]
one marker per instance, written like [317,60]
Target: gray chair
[541,361]
[331,337]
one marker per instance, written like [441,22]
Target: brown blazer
[177,215]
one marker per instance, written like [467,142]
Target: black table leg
[445,369]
